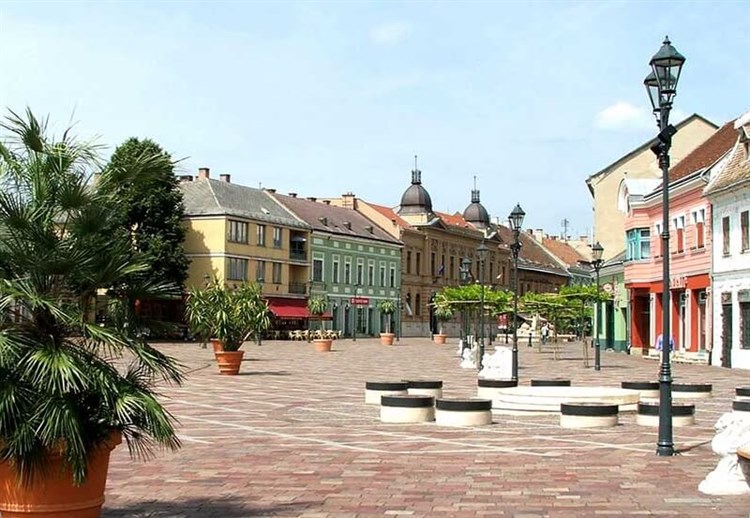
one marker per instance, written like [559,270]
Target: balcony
[298,255]
[298,288]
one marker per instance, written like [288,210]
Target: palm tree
[66,383]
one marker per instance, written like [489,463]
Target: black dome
[475,213]
[416,199]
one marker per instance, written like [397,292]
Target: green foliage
[151,210]
[470,296]
[387,307]
[229,315]
[67,384]
[317,305]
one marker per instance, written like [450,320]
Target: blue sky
[324,98]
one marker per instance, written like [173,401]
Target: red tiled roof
[532,253]
[456,220]
[715,146]
[390,214]
[737,168]
[563,251]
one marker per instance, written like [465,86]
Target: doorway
[726,332]
[609,325]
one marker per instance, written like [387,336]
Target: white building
[729,192]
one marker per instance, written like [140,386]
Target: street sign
[359,301]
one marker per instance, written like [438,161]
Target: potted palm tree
[317,306]
[387,307]
[70,388]
[443,313]
[230,315]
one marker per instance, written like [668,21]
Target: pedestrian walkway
[292,437]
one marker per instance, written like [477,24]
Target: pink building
[690,249]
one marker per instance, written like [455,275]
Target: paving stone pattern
[291,436]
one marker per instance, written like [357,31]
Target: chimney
[348,200]
[323,220]
[585,239]
[186,178]
[225,178]
[292,194]
[539,234]
[327,202]
[312,198]
[348,225]
[271,190]
[204,173]
[370,229]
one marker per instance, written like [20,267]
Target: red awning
[288,308]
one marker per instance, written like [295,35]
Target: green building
[613,331]
[354,262]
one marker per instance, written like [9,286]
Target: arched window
[417,305]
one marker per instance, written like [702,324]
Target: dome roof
[416,199]
[475,213]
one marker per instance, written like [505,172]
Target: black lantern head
[482,249]
[597,251]
[516,218]
[666,65]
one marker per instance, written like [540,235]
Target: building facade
[615,317]
[729,194]
[354,263]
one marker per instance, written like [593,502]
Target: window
[348,272]
[336,271]
[725,235]
[639,244]
[317,273]
[392,280]
[658,240]
[277,237]
[371,275]
[408,262]
[744,231]
[451,271]
[237,231]
[360,273]
[679,226]
[277,273]
[382,276]
[417,302]
[744,325]
[237,269]
[261,235]
[699,219]
[433,272]
[492,273]
[260,274]
[418,270]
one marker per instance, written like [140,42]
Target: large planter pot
[217,345]
[229,361]
[54,495]
[323,345]
[440,339]
[386,338]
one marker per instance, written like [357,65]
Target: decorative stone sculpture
[499,365]
[732,432]
[469,358]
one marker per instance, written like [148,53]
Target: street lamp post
[465,277]
[482,250]
[398,316]
[516,220]
[355,307]
[597,251]
[661,85]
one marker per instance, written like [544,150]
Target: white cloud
[625,116]
[390,33]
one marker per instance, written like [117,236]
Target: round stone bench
[588,415]
[375,389]
[682,414]
[742,392]
[648,389]
[488,388]
[741,405]
[407,408]
[425,388]
[553,382]
[463,412]
[743,459]
[691,390]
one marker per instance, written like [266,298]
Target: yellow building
[237,233]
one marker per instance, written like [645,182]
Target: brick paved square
[292,437]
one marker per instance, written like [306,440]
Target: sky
[322,98]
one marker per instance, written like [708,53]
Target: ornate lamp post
[597,251]
[661,85]
[482,250]
[465,277]
[516,221]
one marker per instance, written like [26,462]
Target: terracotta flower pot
[229,361]
[217,345]
[323,345]
[54,494]
[440,339]
[386,338]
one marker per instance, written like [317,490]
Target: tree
[152,210]
[66,383]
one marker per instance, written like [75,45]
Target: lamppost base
[665,450]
